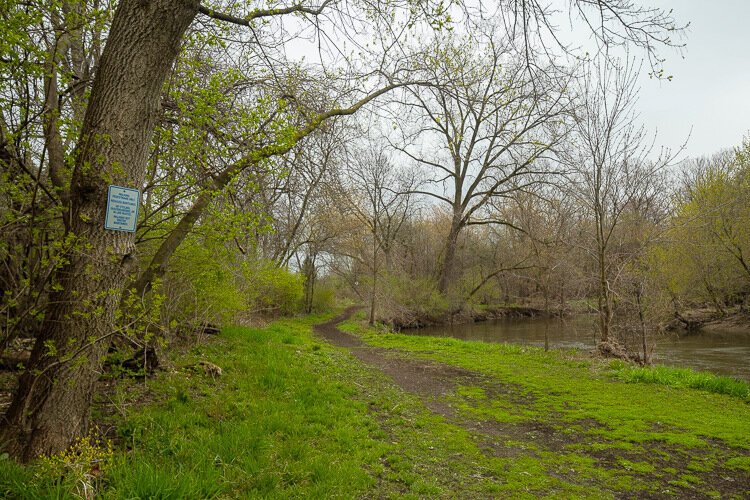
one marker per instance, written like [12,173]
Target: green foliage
[707,257]
[681,377]
[77,472]
[324,299]
[17,41]
[210,282]
[32,249]
[78,468]
[203,285]
[413,299]
[269,288]
[37,42]
[140,318]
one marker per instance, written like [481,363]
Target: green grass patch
[294,417]
[648,437]
[278,423]
[681,377]
[639,467]
[738,463]
[568,387]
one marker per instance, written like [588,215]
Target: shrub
[324,298]
[271,289]
[408,301]
[681,377]
[201,285]
[78,469]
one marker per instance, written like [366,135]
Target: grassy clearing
[572,387]
[651,438]
[292,417]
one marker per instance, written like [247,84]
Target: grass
[279,423]
[293,417]
[681,377]
[576,387]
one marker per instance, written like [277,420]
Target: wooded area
[428,159]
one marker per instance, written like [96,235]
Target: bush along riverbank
[467,314]
[365,413]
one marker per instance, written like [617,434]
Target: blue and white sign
[122,209]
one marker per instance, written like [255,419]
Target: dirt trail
[436,383]
[429,380]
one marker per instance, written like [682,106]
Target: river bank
[472,314]
[351,412]
[717,351]
[733,319]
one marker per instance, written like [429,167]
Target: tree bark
[447,271]
[50,119]
[309,273]
[50,407]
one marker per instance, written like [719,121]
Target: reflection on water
[725,353]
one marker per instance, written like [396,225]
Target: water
[723,353]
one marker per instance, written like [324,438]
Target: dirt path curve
[435,382]
[429,380]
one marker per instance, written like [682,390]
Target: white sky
[710,91]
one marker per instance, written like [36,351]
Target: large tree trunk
[447,271]
[50,407]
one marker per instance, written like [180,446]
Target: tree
[614,178]
[546,218]
[303,229]
[481,131]
[708,234]
[50,406]
[46,56]
[380,198]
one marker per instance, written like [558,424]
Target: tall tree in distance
[380,197]
[481,131]
[615,172]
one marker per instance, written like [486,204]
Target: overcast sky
[708,99]
[710,91]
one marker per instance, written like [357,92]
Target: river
[723,353]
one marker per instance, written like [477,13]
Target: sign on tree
[122,209]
